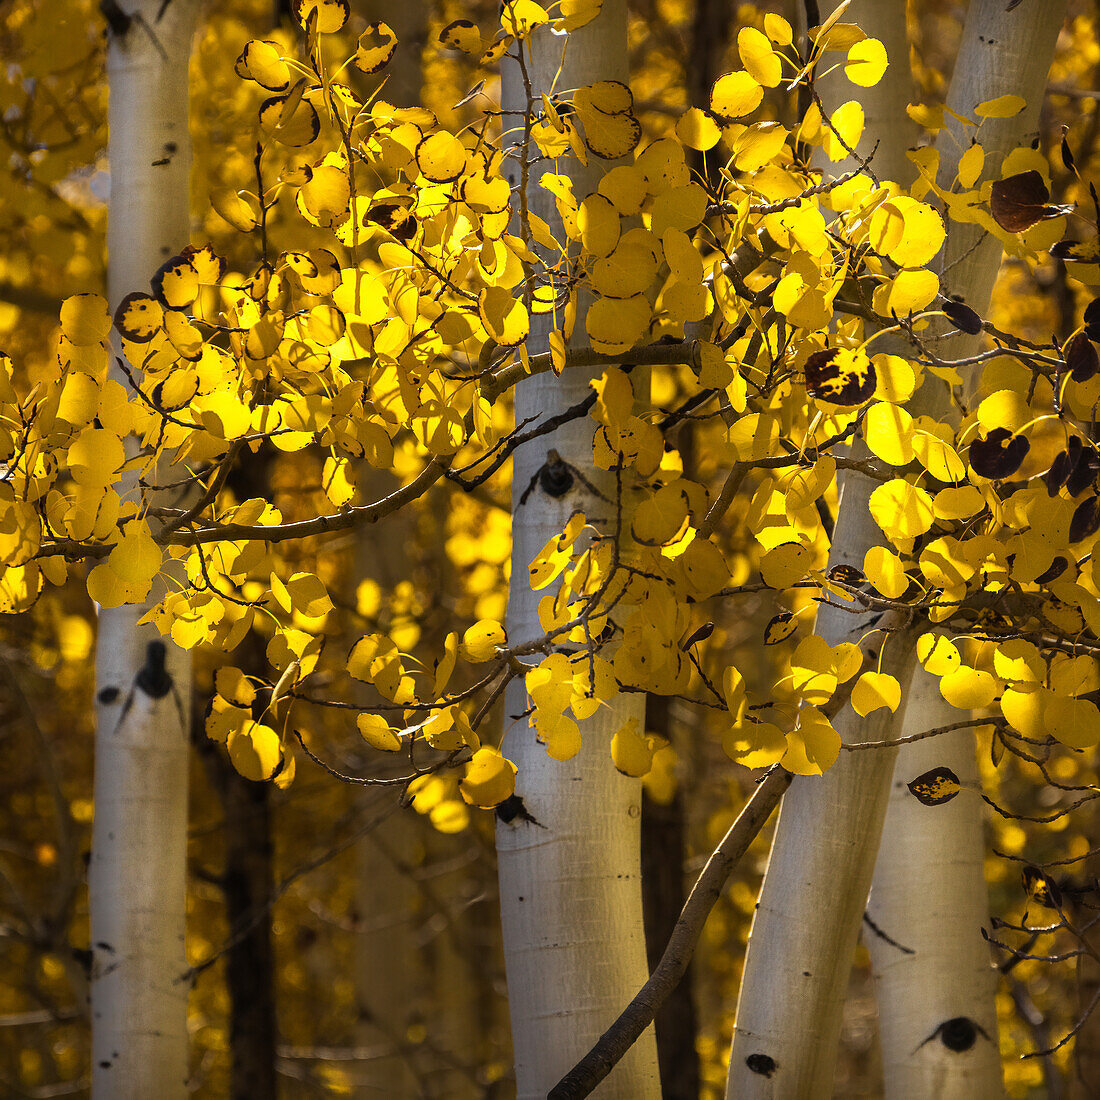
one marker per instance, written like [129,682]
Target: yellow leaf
[902,510]
[504,317]
[697,129]
[631,753]
[377,733]
[255,750]
[377,45]
[441,157]
[556,554]
[912,291]
[785,564]
[480,641]
[735,95]
[885,571]
[887,430]
[264,63]
[812,746]
[490,779]
[866,62]
[846,129]
[616,324]
[1004,106]
[937,654]
[1074,722]
[234,686]
[874,690]
[95,457]
[519,17]
[970,165]
[909,232]
[754,744]
[758,57]
[324,199]
[85,319]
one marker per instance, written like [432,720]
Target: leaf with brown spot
[1021,201]
[139,318]
[935,787]
[780,627]
[1041,888]
[1086,520]
[999,455]
[965,319]
[840,376]
[1080,357]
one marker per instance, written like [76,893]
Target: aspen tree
[570,878]
[822,860]
[137,873]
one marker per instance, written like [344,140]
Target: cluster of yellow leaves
[422,275]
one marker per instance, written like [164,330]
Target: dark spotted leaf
[847,574]
[1021,201]
[328,15]
[963,316]
[1041,888]
[999,455]
[996,749]
[1078,252]
[1081,357]
[1058,473]
[377,45]
[780,627]
[697,636]
[1085,464]
[1056,568]
[840,376]
[395,218]
[1092,319]
[461,35]
[1067,153]
[935,787]
[139,318]
[1086,520]
[290,119]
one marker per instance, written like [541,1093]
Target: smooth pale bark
[570,886]
[811,905]
[929,897]
[821,865]
[929,890]
[137,876]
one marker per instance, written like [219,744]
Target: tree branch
[638,1015]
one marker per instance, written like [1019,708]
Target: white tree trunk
[570,886]
[811,905]
[137,875]
[929,897]
[929,891]
[819,872]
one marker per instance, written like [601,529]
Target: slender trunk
[822,860]
[663,896]
[929,889]
[248,882]
[570,885]
[934,979]
[137,876]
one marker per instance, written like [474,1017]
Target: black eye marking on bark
[153,680]
[556,477]
[958,1034]
[513,809]
[761,1063]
